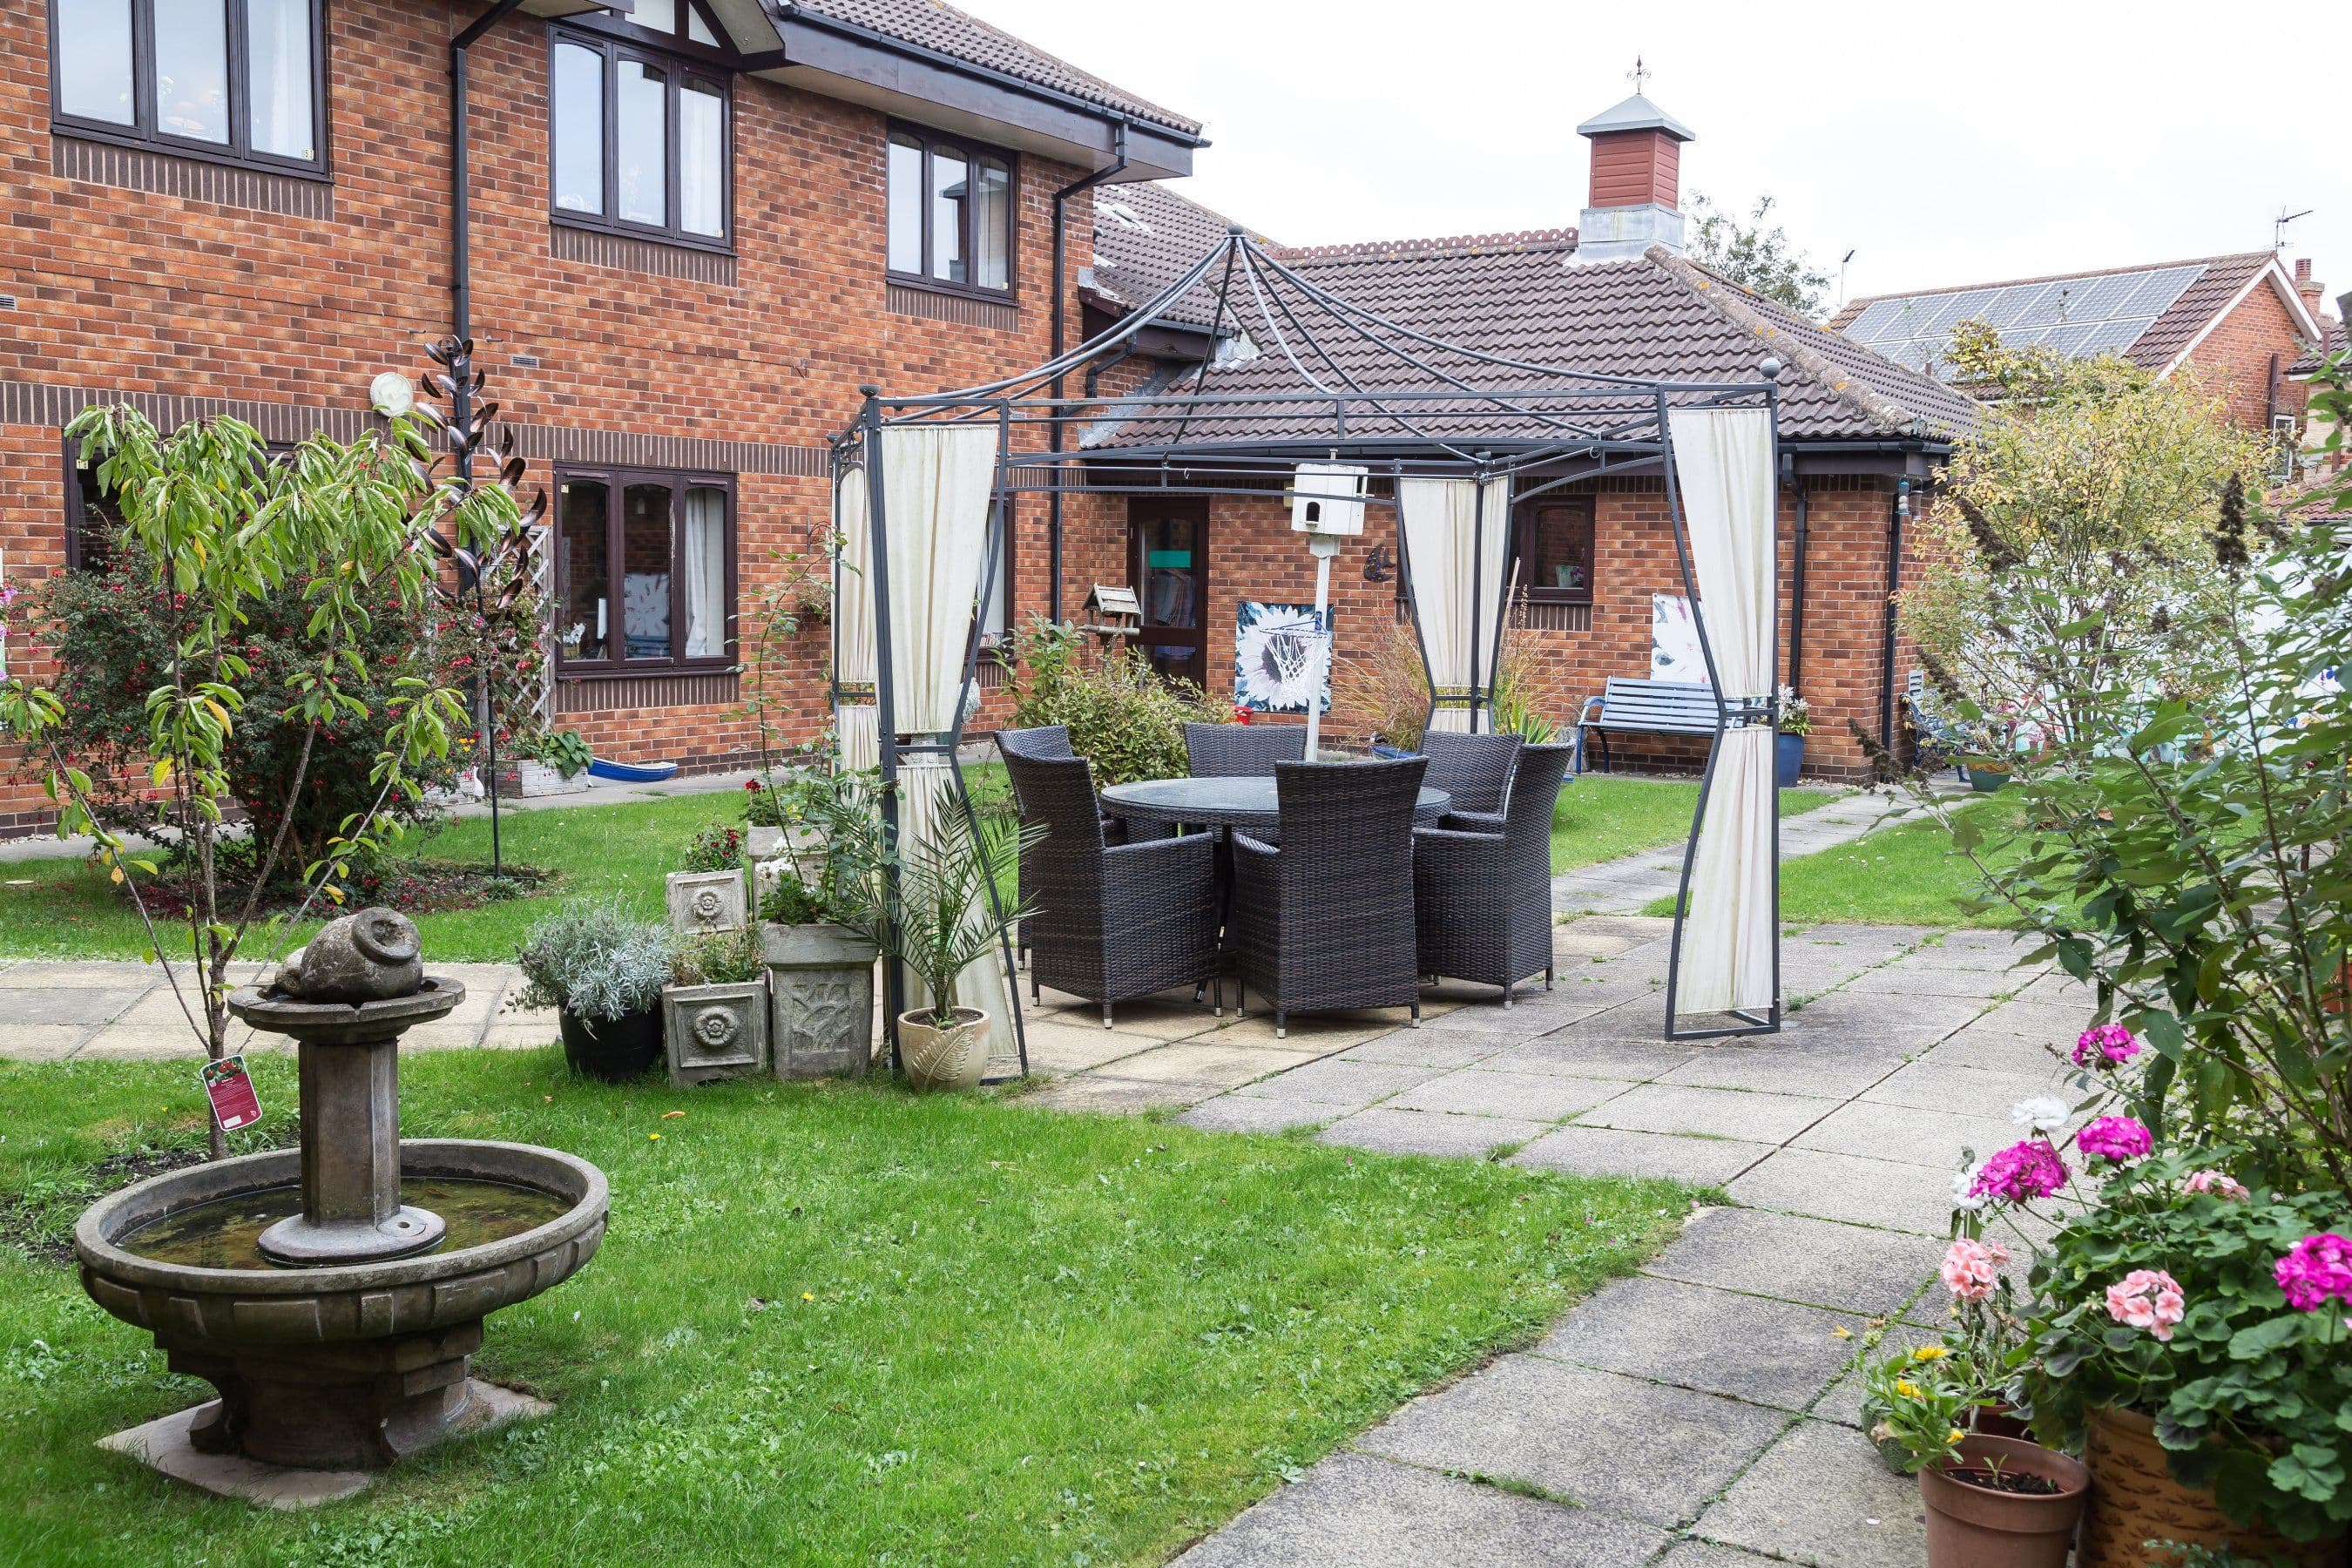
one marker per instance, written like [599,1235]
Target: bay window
[235,80]
[949,213]
[645,571]
[638,140]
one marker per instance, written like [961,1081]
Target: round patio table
[1235,802]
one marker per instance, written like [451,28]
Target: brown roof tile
[1155,240]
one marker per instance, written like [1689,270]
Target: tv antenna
[2278,225]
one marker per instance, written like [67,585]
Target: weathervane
[1638,75]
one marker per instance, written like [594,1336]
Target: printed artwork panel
[1281,656]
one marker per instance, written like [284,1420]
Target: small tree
[1757,258]
[220,526]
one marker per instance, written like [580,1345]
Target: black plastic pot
[616,1050]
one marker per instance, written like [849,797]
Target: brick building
[696,225]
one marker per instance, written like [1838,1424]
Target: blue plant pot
[1391,753]
[1789,756]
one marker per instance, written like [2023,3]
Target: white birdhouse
[1327,498]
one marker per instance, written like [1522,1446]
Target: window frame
[678,61]
[239,151]
[932,143]
[617,480]
[1523,541]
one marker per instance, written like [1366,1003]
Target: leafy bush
[1123,717]
[566,751]
[594,959]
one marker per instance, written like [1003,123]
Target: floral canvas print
[1281,656]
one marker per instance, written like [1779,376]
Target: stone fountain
[334,1294]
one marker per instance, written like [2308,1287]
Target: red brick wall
[125,291]
[2238,358]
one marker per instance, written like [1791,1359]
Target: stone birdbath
[334,1294]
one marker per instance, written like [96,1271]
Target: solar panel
[2013,303]
[1875,320]
[2077,316]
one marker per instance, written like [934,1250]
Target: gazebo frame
[1241,443]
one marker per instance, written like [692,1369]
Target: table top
[1247,801]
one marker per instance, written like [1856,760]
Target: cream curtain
[1445,530]
[1723,462]
[853,613]
[705,573]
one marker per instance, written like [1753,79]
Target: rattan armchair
[1238,751]
[1325,920]
[1482,902]
[1475,770]
[1114,920]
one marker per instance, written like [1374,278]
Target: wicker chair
[1237,750]
[1046,742]
[1475,770]
[1114,920]
[1325,920]
[1482,902]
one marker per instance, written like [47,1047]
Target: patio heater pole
[1322,546]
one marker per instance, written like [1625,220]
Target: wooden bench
[1644,708]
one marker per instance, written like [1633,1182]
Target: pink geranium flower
[2121,1139]
[2107,1044]
[2148,1299]
[2219,1183]
[1972,1268]
[2318,1267]
[2028,1169]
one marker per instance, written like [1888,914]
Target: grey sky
[1943,144]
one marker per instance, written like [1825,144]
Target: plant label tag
[230,1088]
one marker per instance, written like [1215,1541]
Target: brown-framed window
[92,519]
[951,213]
[238,81]
[640,141]
[644,571]
[1552,542]
[1168,567]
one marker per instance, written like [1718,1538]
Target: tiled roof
[2219,280]
[932,25]
[2335,344]
[1520,297]
[1146,237]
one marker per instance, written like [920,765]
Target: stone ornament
[821,1008]
[714,1032]
[705,902]
[370,956]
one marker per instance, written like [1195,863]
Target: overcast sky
[1941,144]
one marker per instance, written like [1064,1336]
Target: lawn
[831,1325]
[1603,815]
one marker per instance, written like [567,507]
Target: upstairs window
[638,141]
[951,213]
[235,79]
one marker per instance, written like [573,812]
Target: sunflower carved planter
[715,1032]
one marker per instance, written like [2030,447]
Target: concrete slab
[1605,1151]
[2056,1023]
[1932,1084]
[1631,1447]
[1708,1555]
[1843,1268]
[1115,1095]
[1206,1061]
[45,974]
[38,1042]
[1580,1055]
[162,1445]
[1843,1187]
[1791,1063]
[1238,1113]
[1746,1114]
[1527,1095]
[80,1006]
[1353,1510]
[124,1044]
[1337,1081]
[1056,1046]
[1822,1497]
[1395,1131]
[1906,1018]
[1904,978]
[1937,1138]
[1694,1336]
[1421,1049]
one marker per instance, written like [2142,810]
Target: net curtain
[1456,550]
[1723,462]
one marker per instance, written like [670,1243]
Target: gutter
[1061,337]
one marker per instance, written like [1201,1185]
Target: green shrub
[718,958]
[596,960]
[1123,716]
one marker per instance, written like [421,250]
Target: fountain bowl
[347,1366]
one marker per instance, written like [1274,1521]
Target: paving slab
[1937,1138]
[1056,1046]
[1206,1061]
[80,1007]
[1527,1095]
[1718,1342]
[1708,1555]
[1115,1095]
[1605,1151]
[1239,1113]
[1914,1198]
[1822,1497]
[1747,1114]
[1427,1133]
[1421,1049]
[1789,1062]
[1904,978]
[45,974]
[38,1042]
[1580,1055]
[2057,1023]
[1337,1081]
[1620,1444]
[1993,1049]
[1354,1511]
[1843,1268]
[1908,1018]
[1933,1084]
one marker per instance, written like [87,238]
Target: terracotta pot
[1996,1421]
[616,1049]
[2134,1499]
[952,1057]
[1977,1527]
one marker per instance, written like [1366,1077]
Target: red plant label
[230,1088]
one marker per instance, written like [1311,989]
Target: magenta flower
[2121,1139]
[1972,1268]
[2315,1268]
[2107,1044]
[2148,1299]
[2028,1169]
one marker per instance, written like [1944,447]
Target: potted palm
[603,970]
[940,920]
[715,1008]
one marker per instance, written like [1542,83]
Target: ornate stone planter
[821,1000]
[716,1031]
[705,902]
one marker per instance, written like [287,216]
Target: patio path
[1696,1415]
[1630,883]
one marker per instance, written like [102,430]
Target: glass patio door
[1168,567]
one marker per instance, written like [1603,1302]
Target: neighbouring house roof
[1656,316]
[2152,315]
[2333,344]
[1146,237]
[943,29]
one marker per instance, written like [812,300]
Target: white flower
[2042,1114]
[1964,1199]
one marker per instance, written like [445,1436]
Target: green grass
[1905,874]
[832,1325]
[1603,815]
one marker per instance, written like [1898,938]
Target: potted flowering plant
[715,1008]
[1796,724]
[708,894]
[817,922]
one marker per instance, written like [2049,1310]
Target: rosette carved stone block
[715,1032]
